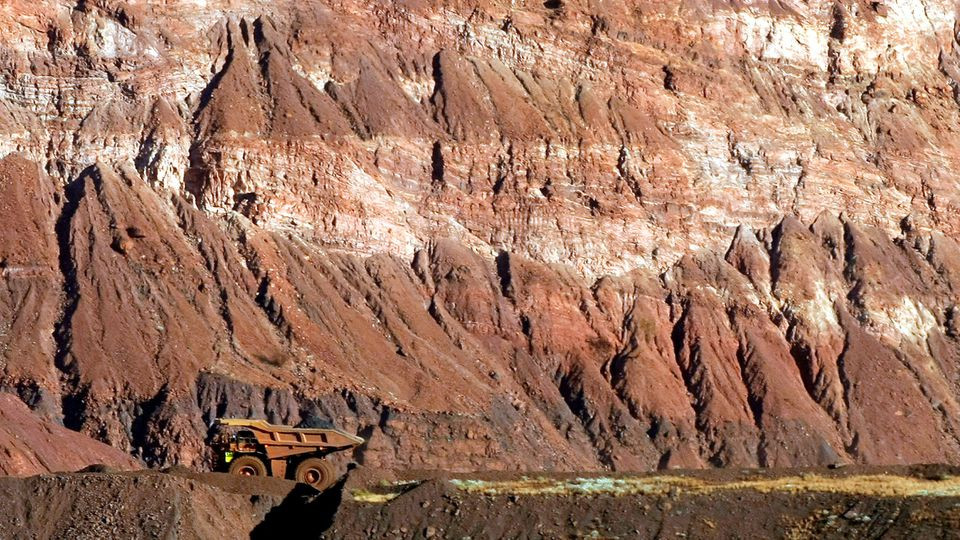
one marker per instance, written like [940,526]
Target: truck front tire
[247,466]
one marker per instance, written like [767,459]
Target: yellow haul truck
[258,448]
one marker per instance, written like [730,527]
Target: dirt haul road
[920,502]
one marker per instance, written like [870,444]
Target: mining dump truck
[258,448]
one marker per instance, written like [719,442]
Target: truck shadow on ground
[304,513]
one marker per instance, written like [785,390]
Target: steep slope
[498,235]
[30,445]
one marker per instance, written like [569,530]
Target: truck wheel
[316,472]
[247,466]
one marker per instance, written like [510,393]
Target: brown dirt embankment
[853,502]
[145,504]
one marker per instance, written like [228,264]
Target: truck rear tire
[315,471]
[248,466]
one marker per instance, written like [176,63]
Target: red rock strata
[507,235]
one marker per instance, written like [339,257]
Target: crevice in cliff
[850,264]
[437,165]
[754,402]
[802,358]
[850,446]
[196,177]
[838,24]
[775,254]
[269,306]
[695,376]
[570,386]
[669,80]
[437,99]
[72,393]
[614,370]
[678,336]
[505,276]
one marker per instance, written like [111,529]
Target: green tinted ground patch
[383,493]
[881,485]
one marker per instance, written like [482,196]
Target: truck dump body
[271,435]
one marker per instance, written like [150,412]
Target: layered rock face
[501,235]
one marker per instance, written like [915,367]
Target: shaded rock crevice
[71,390]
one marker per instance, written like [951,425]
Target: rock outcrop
[488,235]
[32,445]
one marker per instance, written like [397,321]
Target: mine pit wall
[803,344]
[539,238]
[604,138]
